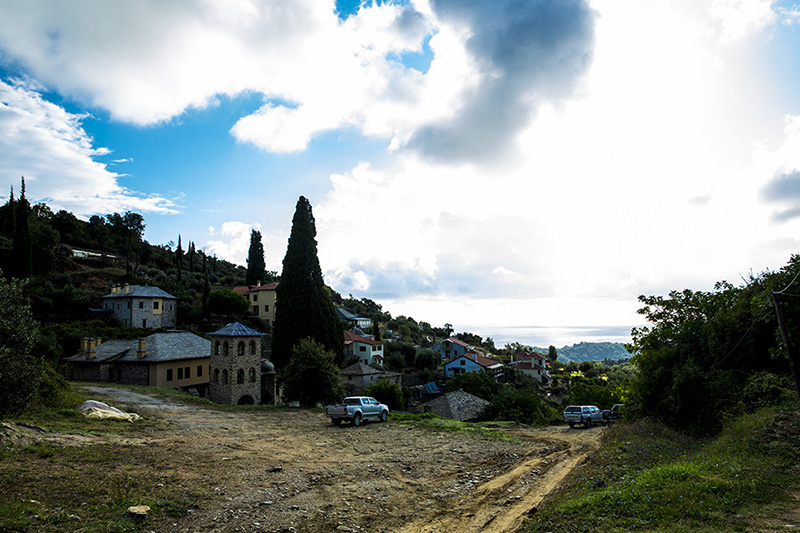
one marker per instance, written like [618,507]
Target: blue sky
[512,168]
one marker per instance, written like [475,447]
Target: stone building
[141,306]
[458,405]
[177,359]
[235,373]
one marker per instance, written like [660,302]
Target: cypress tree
[179,260]
[11,214]
[23,250]
[303,308]
[256,268]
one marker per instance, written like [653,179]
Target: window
[362,348]
[169,374]
[255,309]
[374,348]
[187,372]
[266,308]
[255,297]
[144,323]
[463,362]
[252,375]
[216,347]
[155,305]
[180,373]
[216,375]
[240,348]
[240,376]
[252,347]
[141,304]
[199,371]
[225,349]
[225,376]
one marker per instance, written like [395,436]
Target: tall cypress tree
[179,260]
[23,249]
[303,307]
[256,268]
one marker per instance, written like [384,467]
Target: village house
[353,320]
[533,364]
[357,377]
[176,359]
[452,348]
[367,350]
[235,366]
[473,363]
[141,306]
[262,299]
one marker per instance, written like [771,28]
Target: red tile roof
[350,337]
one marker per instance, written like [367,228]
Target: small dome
[267,367]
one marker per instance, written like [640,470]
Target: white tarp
[100,410]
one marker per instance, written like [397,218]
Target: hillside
[590,351]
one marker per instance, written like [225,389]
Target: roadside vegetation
[647,476]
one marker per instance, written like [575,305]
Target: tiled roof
[350,337]
[360,369]
[141,291]
[159,347]
[455,340]
[481,360]
[264,286]
[235,329]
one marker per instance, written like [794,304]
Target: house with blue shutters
[452,348]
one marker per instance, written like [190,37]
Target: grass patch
[646,476]
[89,488]
[430,421]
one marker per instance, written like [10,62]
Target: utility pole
[787,341]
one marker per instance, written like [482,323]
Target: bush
[481,384]
[311,376]
[523,406]
[387,392]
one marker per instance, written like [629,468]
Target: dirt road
[294,471]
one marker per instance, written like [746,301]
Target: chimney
[90,349]
[127,288]
[84,347]
[258,283]
[141,351]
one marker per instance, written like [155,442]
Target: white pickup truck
[356,409]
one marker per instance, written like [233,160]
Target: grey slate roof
[160,347]
[235,329]
[142,291]
[360,369]
[458,405]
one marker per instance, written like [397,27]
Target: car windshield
[572,409]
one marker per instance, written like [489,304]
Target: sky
[523,170]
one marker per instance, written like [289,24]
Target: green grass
[53,488]
[430,421]
[648,477]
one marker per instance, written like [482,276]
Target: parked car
[356,409]
[583,414]
[613,414]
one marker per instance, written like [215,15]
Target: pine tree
[191,253]
[256,268]
[303,308]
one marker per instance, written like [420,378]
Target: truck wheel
[336,421]
[357,420]
[384,416]
[572,424]
[589,422]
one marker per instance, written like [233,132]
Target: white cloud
[232,241]
[47,145]
[741,18]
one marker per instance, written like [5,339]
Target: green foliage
[427,359]
[649,477]
[387,392]
[523,406]
[20,371]
[304,308]
[590,393]
[699,350]
[227,302]
[481,384]
[311,375]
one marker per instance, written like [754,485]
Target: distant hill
[590,351]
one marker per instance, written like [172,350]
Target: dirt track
[294,471]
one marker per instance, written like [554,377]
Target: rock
[138,510]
